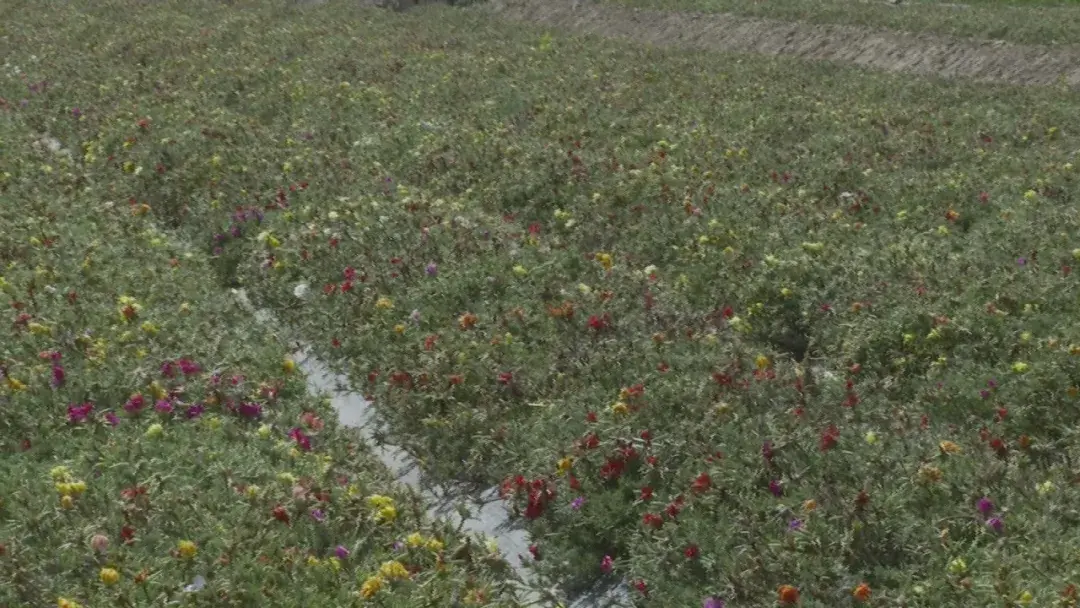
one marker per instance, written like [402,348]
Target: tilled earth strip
[922,54]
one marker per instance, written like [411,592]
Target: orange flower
[789,594]
[862,592]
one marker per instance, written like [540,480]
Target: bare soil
[922,54]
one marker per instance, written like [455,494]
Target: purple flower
[432,269]
[249,410]
[341,552]
[76,112]
[577,502]
[795,525]
[195,410]
[984,505]
[713,602]
[318,515]
[1021,261]
[164,406]
[776,488]
[111,419]
[985,394]
[995,524]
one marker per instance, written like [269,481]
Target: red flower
[590,417]
[692,552]
[701,484]
[598,323]
[652,520]
[829,438]
[281,514]
[646,493]
[127,535]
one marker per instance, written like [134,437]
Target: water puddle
[486,514]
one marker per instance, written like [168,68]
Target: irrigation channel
[485,514]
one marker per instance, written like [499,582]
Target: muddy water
[487,516]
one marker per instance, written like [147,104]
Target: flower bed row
[686,313]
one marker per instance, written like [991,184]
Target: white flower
[301,290]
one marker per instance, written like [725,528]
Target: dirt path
[923,54]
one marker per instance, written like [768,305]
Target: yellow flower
[393,570]
[435,545]
[414,540]
[948,447]
[520,270]
[399,328]
[930,474]
[619,408]
[371,586]
[958,566]
[16,385]
[378,500]
[149,328]
[384,303]
[809,505]
[871,437]
[67,502]
[1020,367]
[761,362]
[154,430]
[63,602]
[38,329]
[1045,487]
[289,366]
[1026,598]
[564,464]
[109,576]
[605,260]
[59,473]
[186,549]
[386,515]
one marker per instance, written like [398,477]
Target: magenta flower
[195,410]
[302,440]
[167,369]
[995,524]
[135,404]
[341,552]
[607,564]
[79,413]
[776,488]
[111,418]
[164,406]
[57,376]
[984,505]
[713,602]
[188,367]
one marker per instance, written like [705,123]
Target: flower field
[733,331]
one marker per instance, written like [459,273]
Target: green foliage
[732,323]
